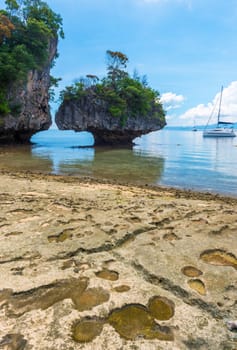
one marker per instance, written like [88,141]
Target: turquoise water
[182,159]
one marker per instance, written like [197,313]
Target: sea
[172,158]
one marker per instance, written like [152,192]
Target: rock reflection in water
[127,165]
[167,157]
[122,164]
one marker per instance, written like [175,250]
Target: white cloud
[201,113]
[171,100]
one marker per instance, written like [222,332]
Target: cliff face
[32,97]
[91,114]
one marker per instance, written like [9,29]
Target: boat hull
[223,128]
[219,133]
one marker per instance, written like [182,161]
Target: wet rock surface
[89,265]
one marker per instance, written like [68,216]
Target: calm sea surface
[182,159]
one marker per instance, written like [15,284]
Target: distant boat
[222,129]
[194,127]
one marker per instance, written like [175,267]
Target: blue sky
[187,49]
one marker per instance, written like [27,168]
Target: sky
[186,48]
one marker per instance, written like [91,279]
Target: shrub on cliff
[124,96]
[26,27]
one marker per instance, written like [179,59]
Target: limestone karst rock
[91,114]
[32,97]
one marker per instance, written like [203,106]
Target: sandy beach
[97,265]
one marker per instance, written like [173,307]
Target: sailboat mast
[219,111]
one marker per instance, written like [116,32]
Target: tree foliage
[6,28]
[26,27]
[124,96]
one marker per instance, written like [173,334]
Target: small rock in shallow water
[232,325]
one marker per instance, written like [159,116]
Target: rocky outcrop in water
[32,101]
[90,113]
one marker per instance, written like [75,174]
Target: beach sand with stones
[92,265]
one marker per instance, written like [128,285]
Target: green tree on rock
[26,28]
[116,65]
[123,96]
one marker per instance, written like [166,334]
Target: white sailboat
[223,129]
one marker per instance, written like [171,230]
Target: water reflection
[67,160]
[22,158]
[127,165]
[223,153]
[174,158]
[194,162]
[124,165]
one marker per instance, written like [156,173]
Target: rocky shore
[92,265]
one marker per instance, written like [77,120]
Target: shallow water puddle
[122,289]
[135,320]
[219,257]
[161,308]
[191,271]
[131,321]
[108,275]
[90,298]
[61,237]
[86,330]
[198,286]
[44,297]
